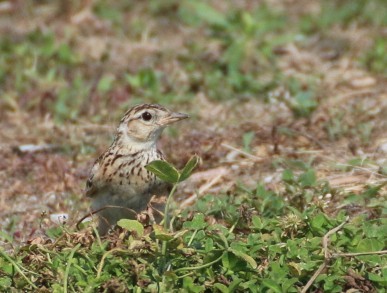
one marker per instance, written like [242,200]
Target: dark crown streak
[141,107]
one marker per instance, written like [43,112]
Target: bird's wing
[93,182]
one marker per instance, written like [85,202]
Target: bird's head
[143,124]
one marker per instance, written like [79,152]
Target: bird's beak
[173,117]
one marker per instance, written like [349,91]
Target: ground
[286,98]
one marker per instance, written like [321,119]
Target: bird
[119,185]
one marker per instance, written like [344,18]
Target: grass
[255,240]
[287,104]
[374,59]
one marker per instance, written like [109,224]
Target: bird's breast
[127,172]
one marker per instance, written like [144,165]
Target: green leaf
[133,80]
[228,260]
[308,178]
[149,79]
[288,283]
[366,245]
[6,282]
[278,271]
[197,223]
[257,222]
[189,286]
[5,236]
[273,285]
[161,234]
[65,54]
[188,168]
[206,13]
[222,288]
[132,226]
[373,191]
[245,257]
[164,171]
[304,104]
[287,176]
[318,223]
[5,265]
[234,285]
[382,280]
[105,83]
[247,139]
[54,232]
[208,245]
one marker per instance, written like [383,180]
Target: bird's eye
[146,116]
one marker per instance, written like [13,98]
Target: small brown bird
[118,178]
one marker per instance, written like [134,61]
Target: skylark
[119,185]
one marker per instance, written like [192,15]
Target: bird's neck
[129,145]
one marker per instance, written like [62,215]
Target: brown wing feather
[91,188]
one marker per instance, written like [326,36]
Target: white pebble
[59,218]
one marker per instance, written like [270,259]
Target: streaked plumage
[119,177]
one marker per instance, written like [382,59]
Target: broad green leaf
[164,171]
[366,245]
[226,260]
[245,257]
[378,279]
[273,285]
[331,283]
[318,223]
[222,288]
[188,168]
[132,226]
[279,270]
[234,284]
[257,223]
[208,245]
[5,265]
[288,283]
[197,223]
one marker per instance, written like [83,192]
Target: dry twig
[328,256]
[381,252]
[250,156]
[187,202]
